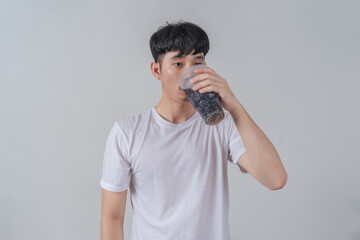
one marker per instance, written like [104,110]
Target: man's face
[172,67]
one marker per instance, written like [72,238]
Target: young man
[174,164]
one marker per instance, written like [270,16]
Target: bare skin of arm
[112,215]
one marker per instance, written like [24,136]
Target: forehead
[173,55]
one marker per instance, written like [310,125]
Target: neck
[175,112]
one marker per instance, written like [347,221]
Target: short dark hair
[181,36]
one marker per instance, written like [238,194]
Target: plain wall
[70,69]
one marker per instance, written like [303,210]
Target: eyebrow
[197,57]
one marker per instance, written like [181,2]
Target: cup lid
[186,75]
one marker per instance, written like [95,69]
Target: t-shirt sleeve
[116,169]
[236,145]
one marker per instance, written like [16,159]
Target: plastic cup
[207,104]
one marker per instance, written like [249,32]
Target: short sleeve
[116,169]
[236,145]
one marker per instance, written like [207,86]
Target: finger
[210,88]
[201,84]
[200,77]
[205,70]
[204,83]
[202,69]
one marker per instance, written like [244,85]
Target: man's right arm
[112,215]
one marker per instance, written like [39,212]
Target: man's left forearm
[264,158]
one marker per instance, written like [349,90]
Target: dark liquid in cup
[207,104]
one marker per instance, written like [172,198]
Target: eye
[198,63]
[177,63]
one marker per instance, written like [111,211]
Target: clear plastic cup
[207,104]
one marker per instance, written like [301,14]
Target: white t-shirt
[177,174]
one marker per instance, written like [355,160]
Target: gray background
[70,69]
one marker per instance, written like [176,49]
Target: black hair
[181,36]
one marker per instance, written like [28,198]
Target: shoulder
[226,120]
[130,124]
[227,116]
[226,126]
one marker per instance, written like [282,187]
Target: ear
[154,66]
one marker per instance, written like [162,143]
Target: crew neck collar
[168,124]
